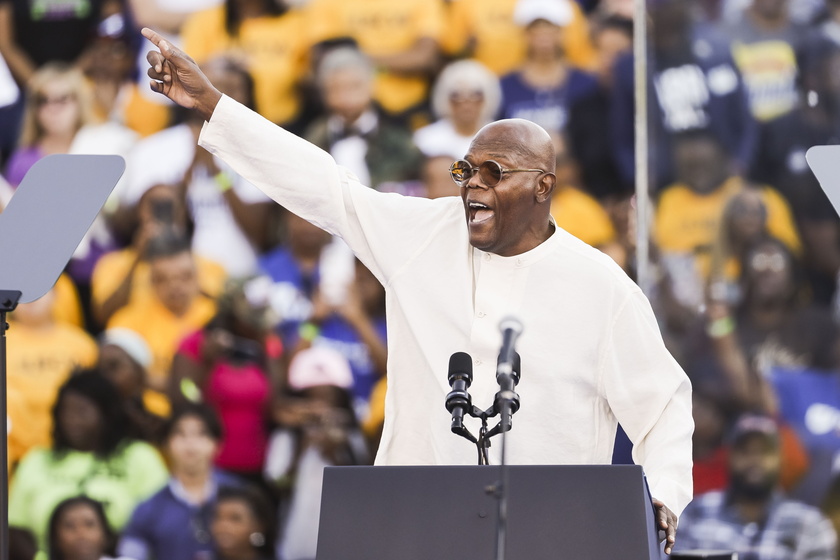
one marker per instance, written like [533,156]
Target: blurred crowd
[205,354]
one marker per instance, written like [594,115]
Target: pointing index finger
[158,41]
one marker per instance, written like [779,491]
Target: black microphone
[511,329]
[507,373]
[458,401]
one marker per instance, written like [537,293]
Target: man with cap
[751,517]
[592,354]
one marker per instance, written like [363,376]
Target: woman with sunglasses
[453,269]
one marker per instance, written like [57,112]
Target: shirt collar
[528,257]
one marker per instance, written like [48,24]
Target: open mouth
[479,213]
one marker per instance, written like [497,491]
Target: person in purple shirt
[546,86]
[174,524]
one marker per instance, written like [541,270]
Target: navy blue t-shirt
[548,108]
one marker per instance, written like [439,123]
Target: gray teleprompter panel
[825,163]
[49,215]
[595,512]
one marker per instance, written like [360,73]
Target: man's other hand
[666,521]
[177,76]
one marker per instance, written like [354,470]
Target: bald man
[452,268]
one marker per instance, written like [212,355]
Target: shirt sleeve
[819,541]
[134,542]
[149,471]
[650,395]
[383,229]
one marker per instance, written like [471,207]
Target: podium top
[450,513]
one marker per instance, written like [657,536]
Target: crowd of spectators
[206,353]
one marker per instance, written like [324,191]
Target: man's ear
[545,187]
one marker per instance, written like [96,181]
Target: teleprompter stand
[449,513]
[43,224]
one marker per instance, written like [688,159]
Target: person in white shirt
[592,354]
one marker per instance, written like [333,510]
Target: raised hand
[177,76]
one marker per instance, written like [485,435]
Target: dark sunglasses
[490,172]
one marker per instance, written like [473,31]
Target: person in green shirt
[91,456]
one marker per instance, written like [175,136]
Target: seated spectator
[768,327]
[269,38]
[694,86]
[573,209]
[42,352]
[174,524]
[108,62]
[319,429]
[466,96]
[90,455]
[58,105]
[355,328]
[744,222]
[242,526]
[354,130]
[765,45]
[752,517]
[295,270]
[123,277]
[545,87]
[176,309]
[487,32]
[29,38]
[79,530]
[229,215]
[123,359]
[401,38]
[689,212]
[233,364]
[59,120]
[588,129]
[781,159]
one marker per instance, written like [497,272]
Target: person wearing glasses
[452,268]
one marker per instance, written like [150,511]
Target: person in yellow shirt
[272,42]
[573,209]
[401,37]
[689,213]
[42,353]
[176,309]
[124,357]
[123,277]
[485,30]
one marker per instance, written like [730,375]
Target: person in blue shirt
[546,86]
[174,524]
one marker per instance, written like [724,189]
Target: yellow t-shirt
[67,308]
[112,268]
[381,28]
[20,428]
[39,361]
[687,222]
[582,216]
[162,330]
[273,48]
[499,43]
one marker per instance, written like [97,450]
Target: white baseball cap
[558,12]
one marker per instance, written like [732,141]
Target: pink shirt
[240,395]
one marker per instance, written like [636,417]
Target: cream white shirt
[591,350]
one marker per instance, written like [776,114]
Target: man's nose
[475,182]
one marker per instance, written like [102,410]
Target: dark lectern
[449,513]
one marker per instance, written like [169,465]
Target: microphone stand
[502,488]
